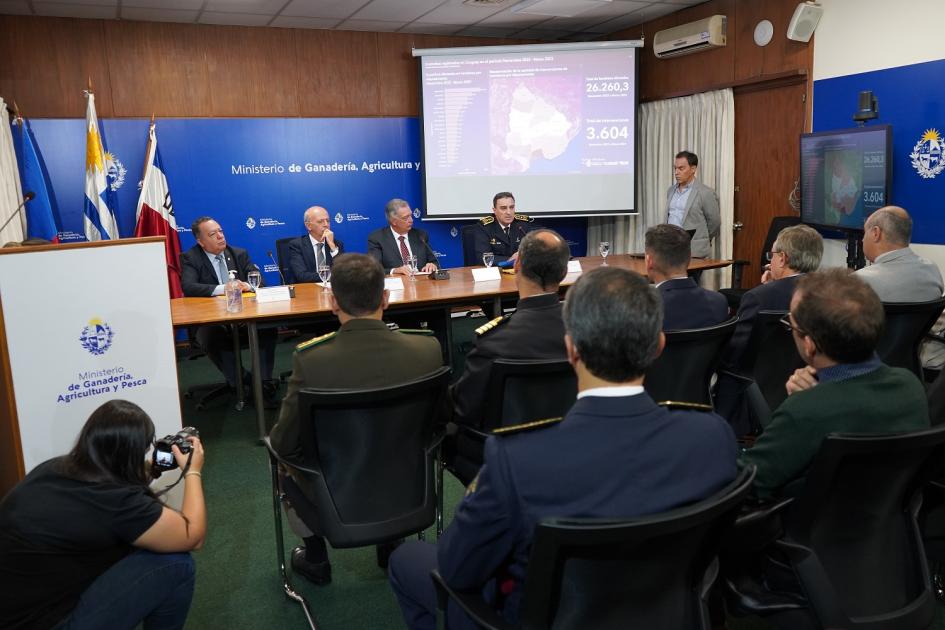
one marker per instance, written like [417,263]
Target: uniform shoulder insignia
[486,220]
[416,331]
[311,343]
[524,217]
[688,406]
[472,485]
[490,325]
[527,426]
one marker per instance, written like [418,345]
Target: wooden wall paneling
[158,68]
[250,72]
[749,57]
[47,63]
[783,53]
[338,73]
[400,94]
[768,122]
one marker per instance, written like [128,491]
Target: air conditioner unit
[691,37]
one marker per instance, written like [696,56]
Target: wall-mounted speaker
[805,19]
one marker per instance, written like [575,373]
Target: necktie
[222,273]
[506,230]
[320,254]
[404,253]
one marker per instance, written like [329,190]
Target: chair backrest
[771,356]
[469,245]
[683,373]
[522,390]
[373,450]
[777,224]
[906,325]
[851,533]
[636,573]
[282,255]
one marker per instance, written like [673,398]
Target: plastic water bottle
[234,294]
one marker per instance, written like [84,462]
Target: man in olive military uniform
[616,454]
[533,331]
[364,352]
[502,232]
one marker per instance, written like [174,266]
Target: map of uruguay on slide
[532,118]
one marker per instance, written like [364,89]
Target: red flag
[155,214]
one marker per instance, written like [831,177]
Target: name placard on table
[394,284]
[272,294]
[483,274]
[574,266]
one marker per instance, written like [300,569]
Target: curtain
[10,193]
[701,123]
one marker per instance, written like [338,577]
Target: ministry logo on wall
[339,218]
[926,155]
[416,213]
[115,171]
[250,222]
[96,337]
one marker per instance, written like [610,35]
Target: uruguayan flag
[99,219]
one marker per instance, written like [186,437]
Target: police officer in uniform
[533,331]
[616,454]
[364,352]
[502,232]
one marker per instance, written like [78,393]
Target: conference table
[421,295]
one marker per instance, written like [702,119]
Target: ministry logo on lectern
[96,337]
[926,155]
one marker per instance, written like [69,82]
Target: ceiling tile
[430,29]
[146,14]
[396,10]
[59,9]
[452,13]
[304,22]
[509,19]
[369,25]
[14,7]
[235,19]
[535,33]
[259,7]
[189,5]
[322,8]
[489,31]
[100,3]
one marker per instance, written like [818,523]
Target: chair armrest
[471,603]
[752,514]
[274,456]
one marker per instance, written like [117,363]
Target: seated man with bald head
[897,274]
[315,248]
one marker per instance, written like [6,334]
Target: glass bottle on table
[233,290]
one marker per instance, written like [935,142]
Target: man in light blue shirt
[693,206]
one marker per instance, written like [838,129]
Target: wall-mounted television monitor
[845,176]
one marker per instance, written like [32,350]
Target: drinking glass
[324,272]
[488,258]
[412,267]
[604,249]
[254,279]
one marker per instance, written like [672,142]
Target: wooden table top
[311,299]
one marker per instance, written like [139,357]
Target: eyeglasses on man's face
[770,255]
[786,321]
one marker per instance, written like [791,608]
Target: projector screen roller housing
[555,124]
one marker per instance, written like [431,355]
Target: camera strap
[183,471]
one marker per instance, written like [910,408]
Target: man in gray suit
[897,273]
[692,205]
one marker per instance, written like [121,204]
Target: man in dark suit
[318,247]
[685,304]
[364,352]
[503,231]
[692,205]
[797,250]
[204,270]
[533,331]
[391,245]
[616,454]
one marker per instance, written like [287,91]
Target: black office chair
[851,537]
[770,358]
[282,255]
[647,572]
[371,458]
[469,245]
[734,295]
[519,391]
[683,373]
[906,326]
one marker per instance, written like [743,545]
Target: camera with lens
[163,457]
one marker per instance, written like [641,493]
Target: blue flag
[40,218]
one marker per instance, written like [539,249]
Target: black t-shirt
[57,535]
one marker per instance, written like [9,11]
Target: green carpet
[237,576]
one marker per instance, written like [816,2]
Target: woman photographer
[85,543]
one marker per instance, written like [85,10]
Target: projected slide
[555,127]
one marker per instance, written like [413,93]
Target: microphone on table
[26,198]
[281,277]
[439,274]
